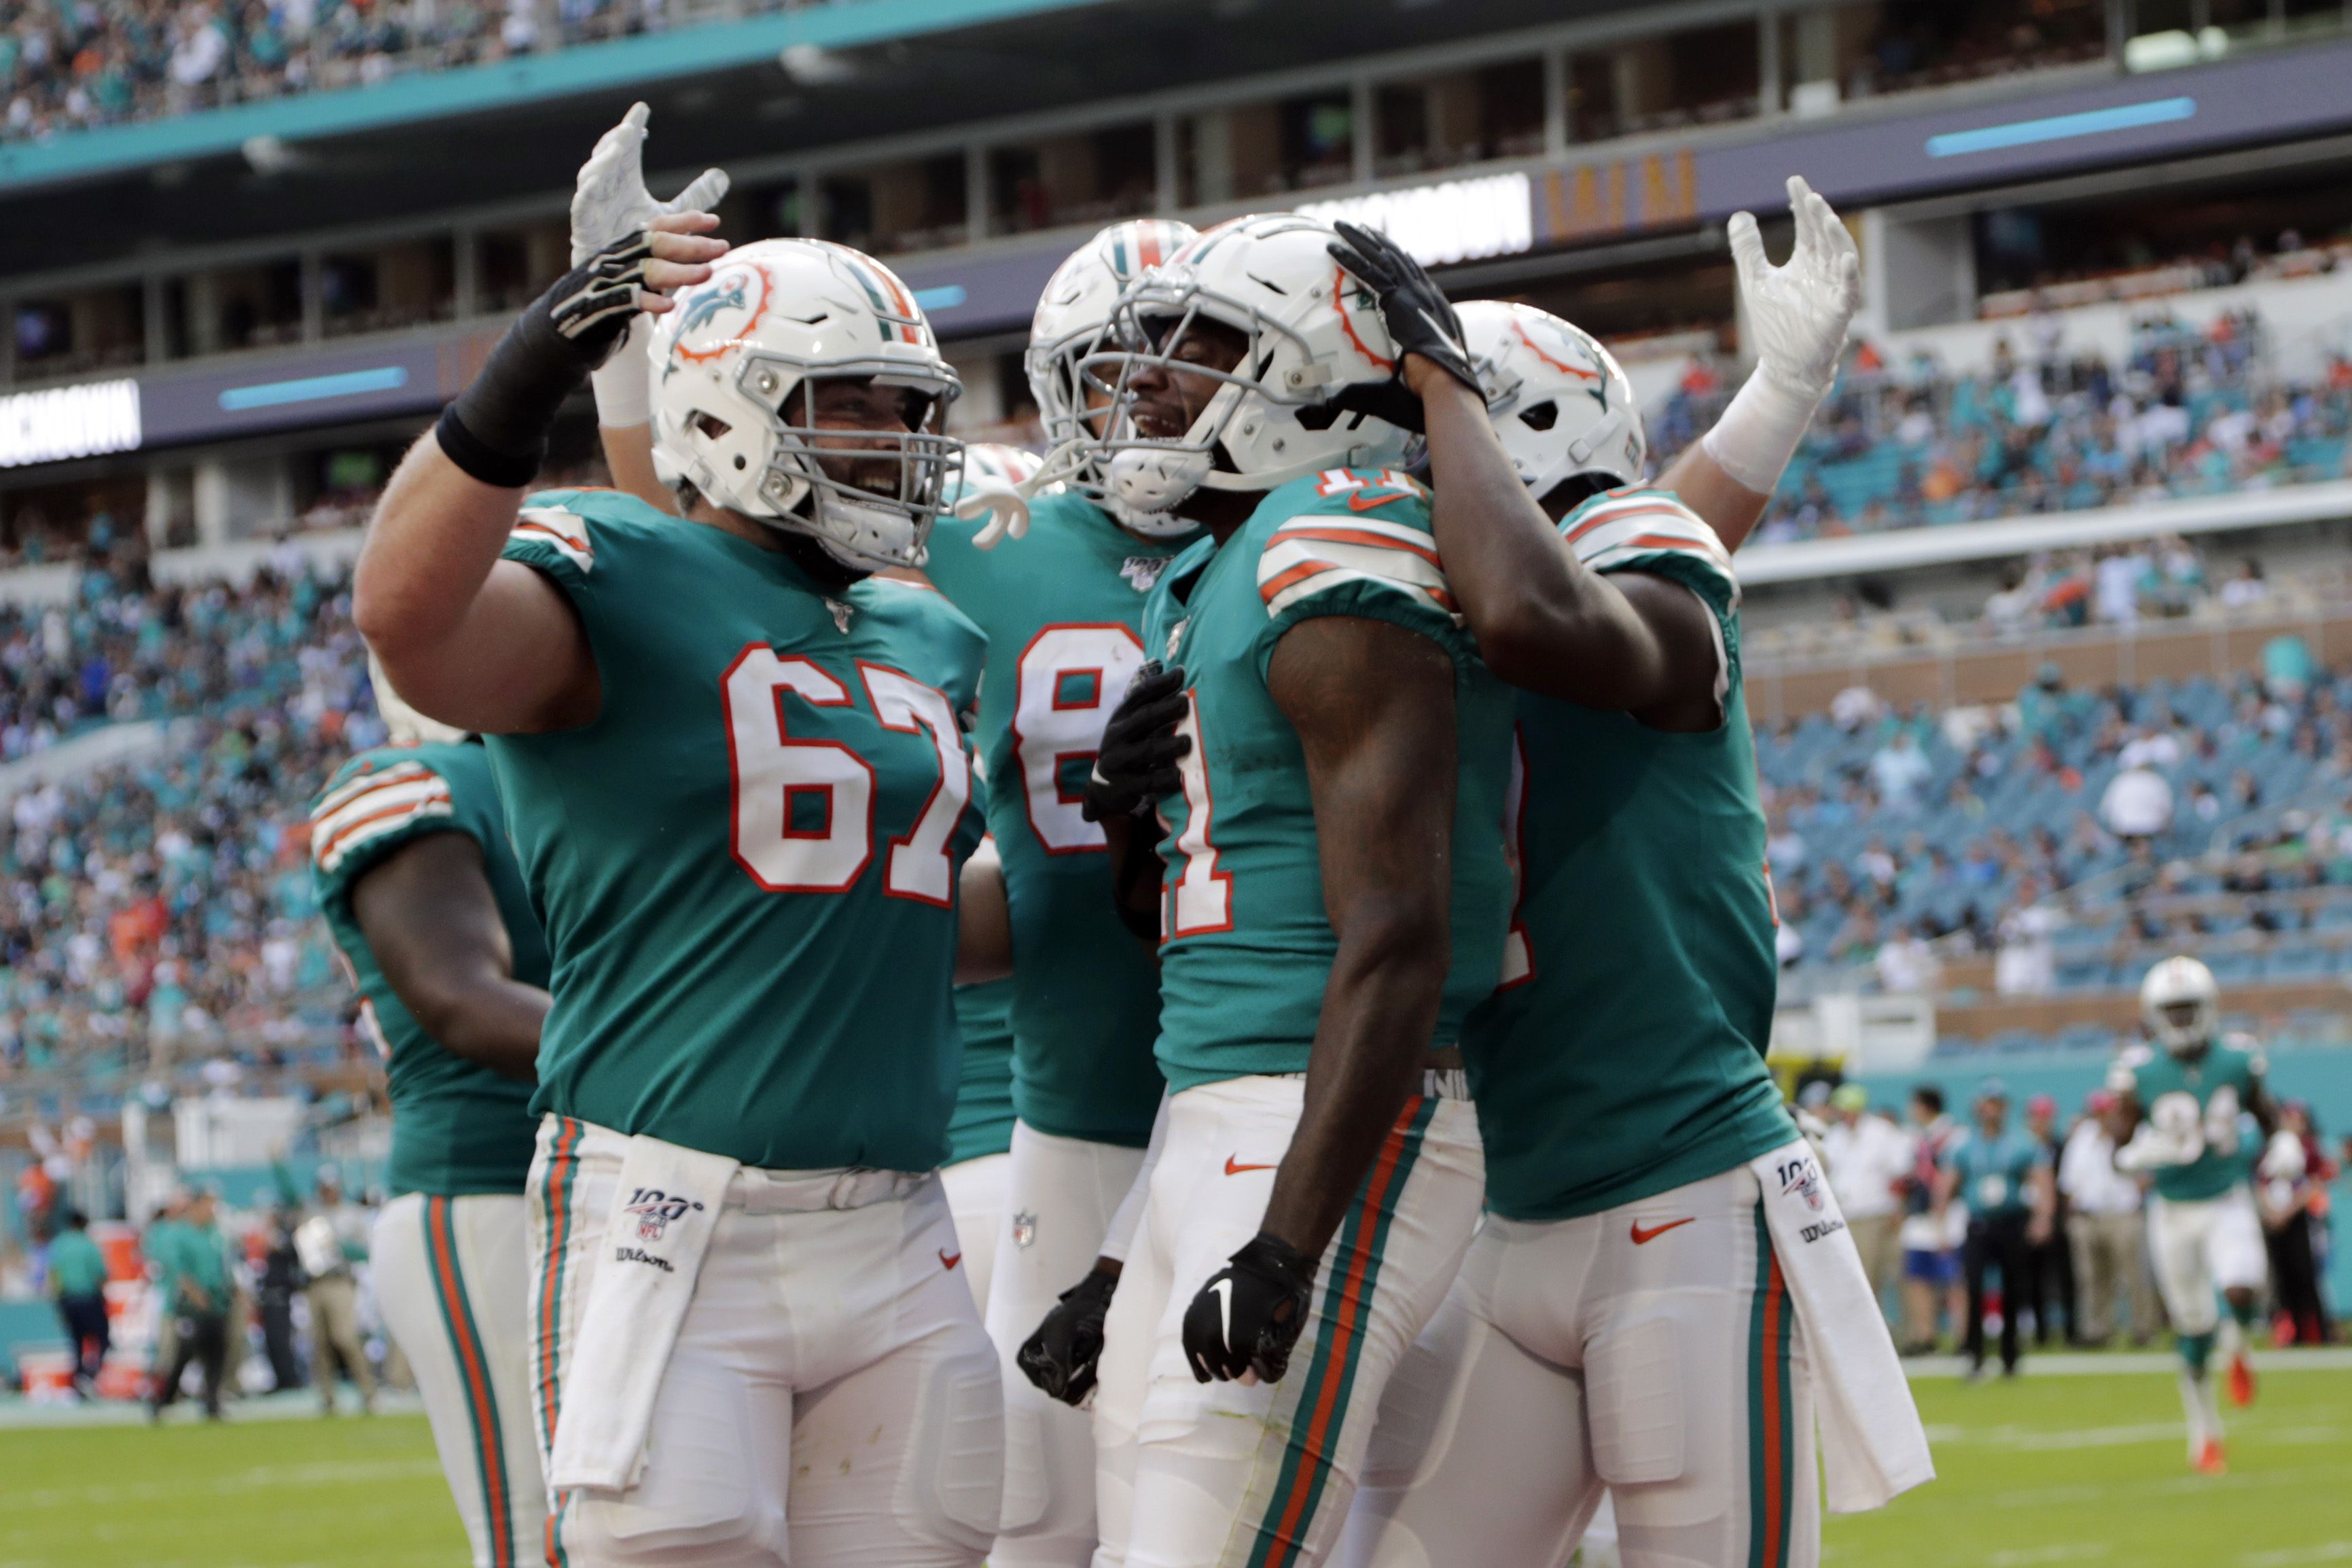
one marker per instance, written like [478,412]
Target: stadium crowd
[2189,412]
[69,64]
[159,909]
[1892,829]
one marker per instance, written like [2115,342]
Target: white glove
[2150,1149]
[1796,318]
[1798,314]
[1006,509]
[610,202]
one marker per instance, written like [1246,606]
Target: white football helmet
[734,371]
[1560,403]
[1071,315]
[405,725]
[1312,332]
[2181,1004]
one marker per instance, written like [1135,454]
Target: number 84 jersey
[747,863]
[1064,614]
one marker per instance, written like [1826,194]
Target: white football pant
[452,1278]
[832,1401]
[975,1189]
[1058,1206]
[1223,1474]
[1653,1349]
[2202,1248]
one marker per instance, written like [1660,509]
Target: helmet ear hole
[710,426]
[1542,416]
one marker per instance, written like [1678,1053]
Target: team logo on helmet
[1560,346]
[721,314]
[655,1210]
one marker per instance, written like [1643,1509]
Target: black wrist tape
[462,446]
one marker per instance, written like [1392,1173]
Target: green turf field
[2059,1470]
[2094,1469]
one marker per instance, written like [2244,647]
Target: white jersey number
[1071,679]
[920,865]
[805,809]
[1203,895]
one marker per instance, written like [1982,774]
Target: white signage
[68,422]
[1461,220]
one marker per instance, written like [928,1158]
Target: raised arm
[984,919]
[434,926]
[1796,317]
[477,642]
[1629,642]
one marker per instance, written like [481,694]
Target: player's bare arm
[984,919]
[1373,707]
[474,641]
[1629,642]
[434,926]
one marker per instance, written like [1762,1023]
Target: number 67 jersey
[746,863]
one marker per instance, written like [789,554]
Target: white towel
[1872,1447]
[666,1205]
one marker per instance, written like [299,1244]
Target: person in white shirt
[1907,965]
[2103,1225]
[1868,1157]
[2025,964]
[2137,804]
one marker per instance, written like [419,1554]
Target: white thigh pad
[1634,1386]
[954,1477]
[697,1502]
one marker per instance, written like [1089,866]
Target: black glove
[1250,1313]
[496,431]
[1061,1356]
[1412,305]
[1136,764]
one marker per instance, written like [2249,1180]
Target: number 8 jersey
[746,864]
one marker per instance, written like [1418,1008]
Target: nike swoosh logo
[1224,1290]
[949,1259]
[1232,1169]
[1643,1237]
[1357,501]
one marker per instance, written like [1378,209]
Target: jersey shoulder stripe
[559,529]
[373,806]
[1317,552]
[1619,528]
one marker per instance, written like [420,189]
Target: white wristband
[1760,431]
[625,384]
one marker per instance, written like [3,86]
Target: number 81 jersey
[746,863]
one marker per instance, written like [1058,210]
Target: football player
[421,890]
[1064,614]
[1332,901]
[2182,1101]
[1622,1319]
[736,784]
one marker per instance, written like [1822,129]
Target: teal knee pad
[2194,1349]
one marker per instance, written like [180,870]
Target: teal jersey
[1995,1175]
[1245,944]
[77,1266]
[195,1270]
[982,1122]
[1623,1055]
[746,863]
[458,1128]
[1063,609]
[2203,1101]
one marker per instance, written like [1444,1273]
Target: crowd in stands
[69,64]
[157,911]
[2188,413]
[2070,831]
